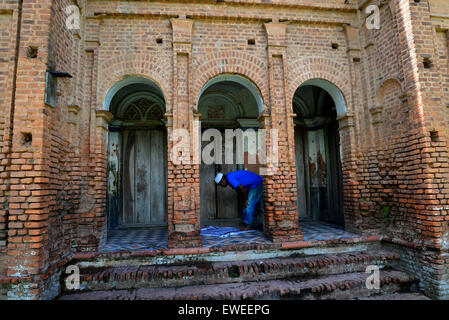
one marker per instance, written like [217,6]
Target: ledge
[231,248]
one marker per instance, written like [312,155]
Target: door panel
[208,192]
[144,178]
[127,214]
[142,186]
[300,173]
[336,211]
[158,178]
[227,198]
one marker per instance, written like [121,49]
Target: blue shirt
[244,178]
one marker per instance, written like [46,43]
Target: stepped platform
[323,269]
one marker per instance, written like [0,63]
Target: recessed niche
[434,136]
[159,41]
[32,52]
[335,46]
[27,138]
[251,42]
[427,63]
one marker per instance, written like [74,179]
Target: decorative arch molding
[117,72]
[241,67]
[141,106]
[323,73]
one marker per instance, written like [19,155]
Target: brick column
[7,83]
[183,184]
[427,198]
[31,196]
[88,237]
[348,131]
[281,213]
[346,127]
[103,118]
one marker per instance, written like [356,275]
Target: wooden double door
[144,178]
[319,174]
[219,206]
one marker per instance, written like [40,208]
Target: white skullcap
[219,177]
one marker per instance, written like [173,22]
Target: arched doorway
[137,166]
[318,153]
[227,103]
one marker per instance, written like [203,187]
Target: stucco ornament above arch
[127,69]
[235,108]
[243,65]
[324,73]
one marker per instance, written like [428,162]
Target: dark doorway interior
[318,161]
[225,105]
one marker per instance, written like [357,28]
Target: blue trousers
[254,196]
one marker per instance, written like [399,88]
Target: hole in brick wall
[417,1]
[27,138]
[251,42]
[427,63]
[234,272]
[335,46]
[159,41]
[32,52]
[434,136]
[356,59]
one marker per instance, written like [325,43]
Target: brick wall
[393,129]
[39,167]
[28,211]
[8,21]
[402,167]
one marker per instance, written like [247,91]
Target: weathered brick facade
[393,120]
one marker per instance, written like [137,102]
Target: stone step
[155,276]
[398,296]
[341,286]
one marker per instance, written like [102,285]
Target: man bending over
[249,186]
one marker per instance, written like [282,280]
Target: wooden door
[218,203]
[144,178]
[335,179]
[301,176]
[227,198]
[208,192]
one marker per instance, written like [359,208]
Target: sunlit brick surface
[393,122]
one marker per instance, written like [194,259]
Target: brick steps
[155,276]
[341,286]
[398,296]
